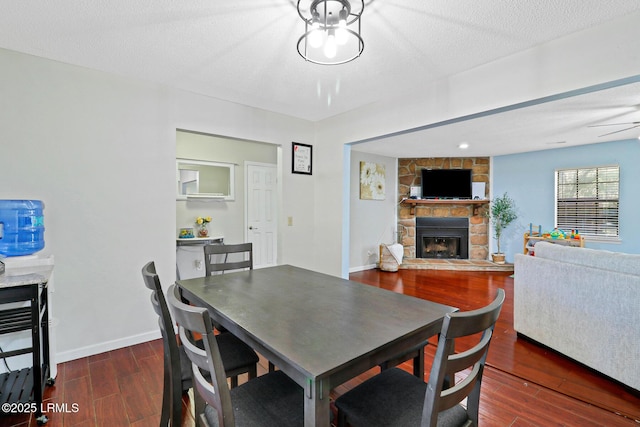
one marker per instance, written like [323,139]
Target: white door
[262,224]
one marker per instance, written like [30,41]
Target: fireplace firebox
[444,238]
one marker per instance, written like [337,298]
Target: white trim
[102,347]
[345,245]
[362,268]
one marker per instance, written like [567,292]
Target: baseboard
[91,350]
[362,268]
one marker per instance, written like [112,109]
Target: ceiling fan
[633,125]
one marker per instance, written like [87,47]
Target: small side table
[18,285]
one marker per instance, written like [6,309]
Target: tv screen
[446,183]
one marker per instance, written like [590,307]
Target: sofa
[583,303]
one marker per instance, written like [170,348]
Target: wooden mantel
[414,202]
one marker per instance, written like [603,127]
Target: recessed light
[463,145]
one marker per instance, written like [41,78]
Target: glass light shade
[332,31]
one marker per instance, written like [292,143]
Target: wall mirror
[198,179]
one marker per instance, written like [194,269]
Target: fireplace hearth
[442,238]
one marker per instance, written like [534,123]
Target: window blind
[587,200]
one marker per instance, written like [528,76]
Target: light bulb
[342,22]
[315,38]
[342,35]
[330,48]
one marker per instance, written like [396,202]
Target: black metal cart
[26,386]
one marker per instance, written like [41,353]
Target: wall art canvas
[372,178]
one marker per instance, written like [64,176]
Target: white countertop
[25,276]
[197,240]
[27,270]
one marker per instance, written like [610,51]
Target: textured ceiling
[602,115]
[244,50]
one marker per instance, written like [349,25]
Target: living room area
[532,187]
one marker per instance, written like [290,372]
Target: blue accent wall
[529,179]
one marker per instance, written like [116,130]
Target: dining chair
[396,398]
[238,357]
[176,380]
[272,399]
[241,257]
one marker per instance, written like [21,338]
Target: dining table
[320,330]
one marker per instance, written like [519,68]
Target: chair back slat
[155,303]
[460,361]
[456,394]
[150,276]
[474,321]
[231,255]
[228,266]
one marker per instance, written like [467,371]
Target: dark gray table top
[318,323]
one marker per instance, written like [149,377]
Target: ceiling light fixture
[463,145]
[331,31]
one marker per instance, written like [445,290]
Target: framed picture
[372,180]
[301,158]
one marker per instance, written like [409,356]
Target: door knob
[251,227]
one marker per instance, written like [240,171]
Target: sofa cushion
[606,260]
[588,314]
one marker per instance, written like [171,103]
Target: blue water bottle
[21,227]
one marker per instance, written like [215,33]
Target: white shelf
[198,240]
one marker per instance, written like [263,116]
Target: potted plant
[202,222]
[502,212]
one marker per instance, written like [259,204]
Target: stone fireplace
[442,238]
[473,216]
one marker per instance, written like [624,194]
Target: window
[587,200]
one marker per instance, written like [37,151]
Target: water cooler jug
[21,227]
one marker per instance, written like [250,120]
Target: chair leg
[272,367]
[342,419]
[172,406]
[176,403]
[253,372]
[418,364]
[234,381]
[166,401]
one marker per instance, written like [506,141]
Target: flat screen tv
[446,183]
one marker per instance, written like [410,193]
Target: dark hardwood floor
[528,364]
[524,385]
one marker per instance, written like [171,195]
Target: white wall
[535,198]
[99,150]
[373,222]
[227,216]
